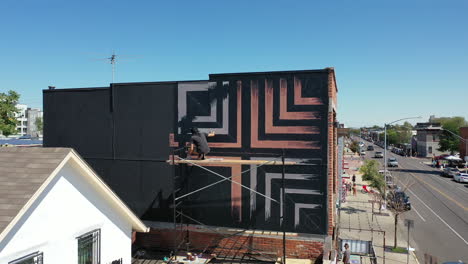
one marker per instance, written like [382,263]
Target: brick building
[427,139]
[137,127]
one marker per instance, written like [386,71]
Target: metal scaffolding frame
[177,201]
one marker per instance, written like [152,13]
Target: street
[439,208]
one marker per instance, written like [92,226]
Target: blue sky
[393,59]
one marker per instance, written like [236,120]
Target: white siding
[68,208]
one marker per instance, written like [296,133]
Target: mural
[128,131]
[259,118]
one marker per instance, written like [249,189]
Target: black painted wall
[126,132]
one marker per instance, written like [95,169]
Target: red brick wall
[271,246]
[332,152]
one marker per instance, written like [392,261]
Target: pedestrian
[354,178]
[346,254]
[354,189]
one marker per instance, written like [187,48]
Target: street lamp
[464,140]
[385,153]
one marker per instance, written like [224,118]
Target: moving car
[392,162]
[398,199]
[461,177]
[370,148]
[450,172]
[378,154]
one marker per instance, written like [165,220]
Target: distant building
[376,135]
[21,127]
[427,139]
[32,114]
[26,117]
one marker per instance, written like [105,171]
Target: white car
[392,162]
[461,177]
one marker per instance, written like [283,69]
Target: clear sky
[393,59]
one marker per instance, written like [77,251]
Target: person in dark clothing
[199,143]
[354,178]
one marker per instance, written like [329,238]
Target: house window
[89,248]
[34,258]
[430,150]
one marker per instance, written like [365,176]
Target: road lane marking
[444,180]
[462,189]
[441,192]
[422,218]
[440,218]
[437,190]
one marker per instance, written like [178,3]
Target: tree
[39,124]
[8,110]
[397,205]
[354,147]
[370,173]
[447,141]
[399,134]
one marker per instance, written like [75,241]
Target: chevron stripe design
[270,128]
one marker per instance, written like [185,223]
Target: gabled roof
[26,172]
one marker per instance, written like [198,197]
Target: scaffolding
[181,219]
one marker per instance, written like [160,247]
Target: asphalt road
[439,209]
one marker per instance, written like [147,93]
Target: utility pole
[410,224]
[385,153]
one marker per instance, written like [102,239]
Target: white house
[55,209]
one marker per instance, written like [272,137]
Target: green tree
[447,141]
[354,147]
[370,173]
[39,124]
[399,134]
[8,110]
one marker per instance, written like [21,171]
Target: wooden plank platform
[217,161]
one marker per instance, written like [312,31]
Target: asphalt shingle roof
[22,171]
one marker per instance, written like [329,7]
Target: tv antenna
[112,60]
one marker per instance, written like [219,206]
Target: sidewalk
[356,213]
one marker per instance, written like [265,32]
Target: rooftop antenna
[112,61]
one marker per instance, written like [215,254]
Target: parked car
[398,199]
[450,172]
[370,148]
[363,152]
[461,177]
[392,162]
[378,154]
